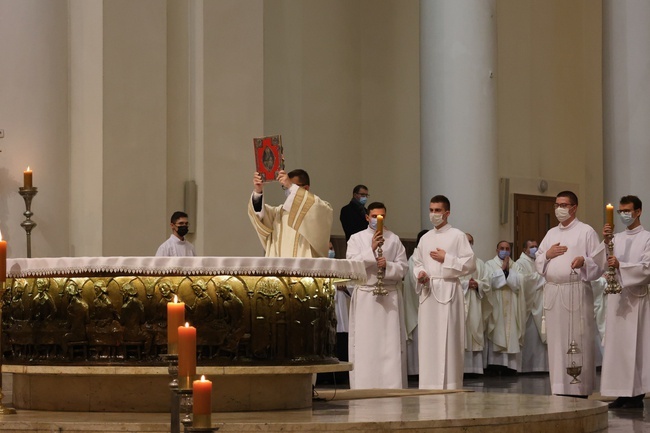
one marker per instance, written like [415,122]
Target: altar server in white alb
[475,287]
[506,323]
[298,228]
[626,362]
[442,257]
[570,245]
[176,245]
[377,339]
[534,355]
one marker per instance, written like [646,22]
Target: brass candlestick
[613,286]
[28,194]
[3,410]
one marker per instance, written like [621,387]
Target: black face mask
[182,231]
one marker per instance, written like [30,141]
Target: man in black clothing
[353,215]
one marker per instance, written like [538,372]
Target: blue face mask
[532,251]
[331,254]
[626,218]
[363,200]
[503,254]
[373,223]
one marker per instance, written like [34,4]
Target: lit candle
[27,178]
[380,223]
[186,356]
[175,318]
[609,215]
[3,259]
[202,409]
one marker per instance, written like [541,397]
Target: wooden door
[534,216]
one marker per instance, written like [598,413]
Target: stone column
[626,99]
[458,114]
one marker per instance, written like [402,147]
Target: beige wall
[186,88]
[549,101]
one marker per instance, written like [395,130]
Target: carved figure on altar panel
[301,337]
[132,318]
[234,318]
[105,333]
[264,325]
[78,316]
[43,306]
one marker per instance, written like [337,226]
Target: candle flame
[187,324]
[175,299]
[28,169]
[1,238]
[202,377]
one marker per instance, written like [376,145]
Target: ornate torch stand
[3,410]
[613,287]
[379,289]
[574,354]
[28,194]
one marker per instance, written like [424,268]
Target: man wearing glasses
[627,347]
[569,246]
[176,245]
[353,214]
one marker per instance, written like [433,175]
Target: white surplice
[534,353]
[298,228]
[581,240]
[174,247]
[505,327]
[476,312]
[441,316]
[377,338]
[626,361]
[411,305]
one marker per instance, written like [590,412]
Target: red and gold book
[269,158]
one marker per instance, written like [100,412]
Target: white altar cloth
[83,266]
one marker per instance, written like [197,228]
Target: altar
[100,323]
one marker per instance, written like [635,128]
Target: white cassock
[377,338]
[174,247]
[506,325]
[411,305]
[476,312]
[441,316]
[534,353]
[600,309]
[581,240]
[626,361]
[298,228]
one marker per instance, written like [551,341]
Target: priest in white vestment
[377,339]
[298,228]
[626,361]
[443,256]
[534,354]
[506,323]
[475,287]
[569,246]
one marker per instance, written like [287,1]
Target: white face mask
[436,218]
[626,218]
[562,214]
[373,223]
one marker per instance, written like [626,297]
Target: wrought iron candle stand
[28,194]
[181,399]
[613,286]
[379,289]
[3,410]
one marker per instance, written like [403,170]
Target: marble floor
[619,421]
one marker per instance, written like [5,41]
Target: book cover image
[269,158]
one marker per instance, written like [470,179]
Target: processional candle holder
[574,354]
[379,289]
[3,410]
[172,368]
[28,194]
[613,286]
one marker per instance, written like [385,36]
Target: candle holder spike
[28,194]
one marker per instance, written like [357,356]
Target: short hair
[376,205]
[441,199]
[470,235]
[301,174]
[422,233]
[359,188]
[570,195]
[500,242]
[177,215]
[526,242]
[636,201]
